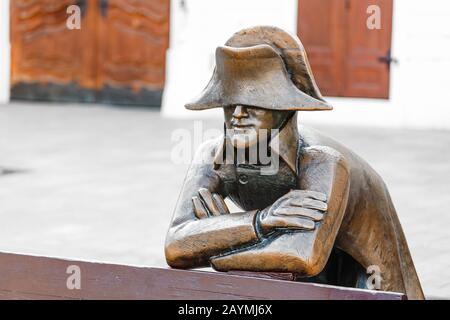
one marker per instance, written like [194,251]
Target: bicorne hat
[262,67]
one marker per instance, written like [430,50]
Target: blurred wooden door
[49,61]
[133,38]
[348,59]
[118,55]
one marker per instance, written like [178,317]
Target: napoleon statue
[321,213]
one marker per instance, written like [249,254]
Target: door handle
[388,59]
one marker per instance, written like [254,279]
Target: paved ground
[97,183]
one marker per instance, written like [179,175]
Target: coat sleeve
[190,241]
[305,253]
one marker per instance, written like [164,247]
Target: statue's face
[250,124]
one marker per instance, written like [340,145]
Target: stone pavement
[97,183]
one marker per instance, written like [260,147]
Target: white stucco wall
[420,93]
[4,51]
[195,32]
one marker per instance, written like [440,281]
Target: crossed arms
[295,234]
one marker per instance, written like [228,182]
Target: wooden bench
[36,277]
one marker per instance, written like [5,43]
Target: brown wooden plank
[34,277]
[286,276]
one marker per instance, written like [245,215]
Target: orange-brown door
[348,58]
[118,55]
[49,61]
[321,31]
[133,39]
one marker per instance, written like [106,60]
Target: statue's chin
[241,141]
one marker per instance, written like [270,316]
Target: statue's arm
[191,240]
[303,252]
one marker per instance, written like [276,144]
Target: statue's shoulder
[318,148]
[320,156]
[313,137]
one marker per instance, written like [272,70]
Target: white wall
[4,51]
[197,30]
[420,84]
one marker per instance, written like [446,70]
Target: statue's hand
[208,204]
[298,209]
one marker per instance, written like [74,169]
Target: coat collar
[288,144]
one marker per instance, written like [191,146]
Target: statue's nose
[240,112]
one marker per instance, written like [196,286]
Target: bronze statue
[323,214]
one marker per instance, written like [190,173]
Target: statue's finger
[279,203]
[301,194]
[309,203]
[220,203]
[295,193]
[291,222]
[199,209]
[301,212]
[315,195]
[207,198]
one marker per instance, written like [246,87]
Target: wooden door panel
[322,39]
[133,39]
[118,55]
[49,61]
[366,74]
[345,55]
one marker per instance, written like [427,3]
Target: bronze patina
[322,213]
